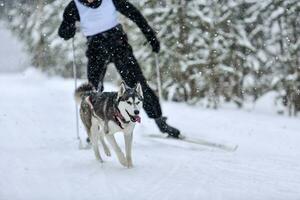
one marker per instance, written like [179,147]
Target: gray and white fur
[106,113]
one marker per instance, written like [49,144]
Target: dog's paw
[129,163]
[107,152]
[123,162]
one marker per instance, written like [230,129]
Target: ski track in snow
[40,157]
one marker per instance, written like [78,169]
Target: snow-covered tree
[283,48]
[36,24]
[211,51]
[205,49]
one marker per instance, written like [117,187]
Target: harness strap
[118,116]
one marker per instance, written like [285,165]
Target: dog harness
[97,20]
[119,118]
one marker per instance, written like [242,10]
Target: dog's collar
[119,118]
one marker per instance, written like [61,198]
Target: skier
[107,42]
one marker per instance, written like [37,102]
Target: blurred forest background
[212,52]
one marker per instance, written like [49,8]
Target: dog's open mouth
[135,118]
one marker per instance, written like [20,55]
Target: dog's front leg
[128,148]
[111,139]
[105,147]
[106,130]
[94,134]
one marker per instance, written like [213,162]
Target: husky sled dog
[105,113]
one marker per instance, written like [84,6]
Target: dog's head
[130,102]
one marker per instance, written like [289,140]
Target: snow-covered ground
[39,156]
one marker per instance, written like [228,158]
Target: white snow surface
[40,158]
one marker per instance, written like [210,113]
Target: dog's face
[130,102]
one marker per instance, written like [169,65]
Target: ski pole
[158,77]
[75,85]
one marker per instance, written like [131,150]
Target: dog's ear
[139,90]
[122,89]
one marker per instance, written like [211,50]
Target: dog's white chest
[126,128]
[113,127]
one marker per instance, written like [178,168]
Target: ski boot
[165,128]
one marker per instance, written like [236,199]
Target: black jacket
[67,28]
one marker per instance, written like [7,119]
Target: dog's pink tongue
[138,119]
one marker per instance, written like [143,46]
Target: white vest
[97,20]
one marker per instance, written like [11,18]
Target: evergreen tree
[205,48]
[36,24]
[283,48]
[211,51]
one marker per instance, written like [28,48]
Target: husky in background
[105,113]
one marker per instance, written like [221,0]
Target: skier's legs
[97,64]
[131,73]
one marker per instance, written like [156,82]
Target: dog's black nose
[136,112]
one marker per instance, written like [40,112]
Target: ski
[224,147]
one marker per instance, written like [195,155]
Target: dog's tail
[83,91]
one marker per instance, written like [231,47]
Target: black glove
[67,30]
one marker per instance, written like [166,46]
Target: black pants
[112,46]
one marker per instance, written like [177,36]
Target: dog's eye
[137,103]
[129,102]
